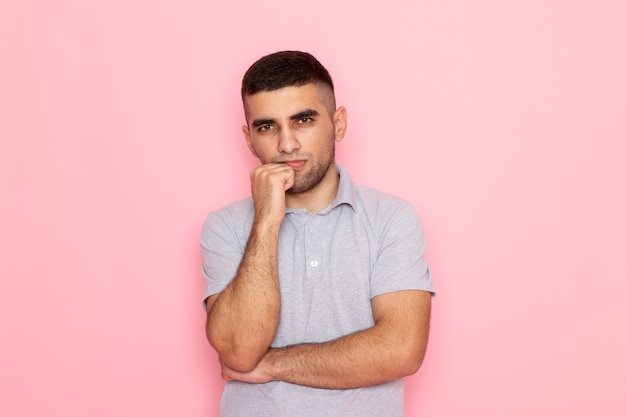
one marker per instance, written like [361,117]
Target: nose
[287,141]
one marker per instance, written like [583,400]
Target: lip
[297,164]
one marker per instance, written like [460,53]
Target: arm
[393,348]
[242,320]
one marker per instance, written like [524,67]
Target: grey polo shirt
[331,264]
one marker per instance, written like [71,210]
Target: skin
[297,128]
[293,131]
[392,349]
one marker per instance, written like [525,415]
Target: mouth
[295,164]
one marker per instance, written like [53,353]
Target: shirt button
[314,264]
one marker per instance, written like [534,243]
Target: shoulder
[236,217]
[238,209]
[380,203]
[387,215]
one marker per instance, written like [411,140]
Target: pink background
[502,121]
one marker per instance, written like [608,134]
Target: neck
[319,197]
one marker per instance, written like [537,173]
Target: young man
[317,290]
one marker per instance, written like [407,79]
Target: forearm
[390,350]
[366,358]
[242,321]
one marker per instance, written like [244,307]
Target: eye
[304,120]
[265,128]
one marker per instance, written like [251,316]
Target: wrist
[266,225]
[270,364]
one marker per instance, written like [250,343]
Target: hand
[256,376]
[269,183]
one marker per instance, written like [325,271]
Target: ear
[340,119]
[246,135]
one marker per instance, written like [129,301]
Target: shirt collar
[346,194]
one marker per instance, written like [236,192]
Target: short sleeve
[400,264]
[222,251]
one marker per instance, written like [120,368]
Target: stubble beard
[311,179]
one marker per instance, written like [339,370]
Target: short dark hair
[284,69]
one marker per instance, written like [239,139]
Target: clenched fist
[269,183]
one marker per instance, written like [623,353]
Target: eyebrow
[261,122]
[304,113]
[299,115]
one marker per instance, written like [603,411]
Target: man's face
[295,126]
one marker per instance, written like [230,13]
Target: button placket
[313,253]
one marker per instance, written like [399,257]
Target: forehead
[286,101]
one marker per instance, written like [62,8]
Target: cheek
[265,155]
[259,148]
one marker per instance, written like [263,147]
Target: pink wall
[503,122]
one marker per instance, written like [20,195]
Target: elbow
[412,365]
[240,352]
[243,362]
[240,357]
[411,358]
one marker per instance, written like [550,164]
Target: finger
[290,180]
[269,171]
